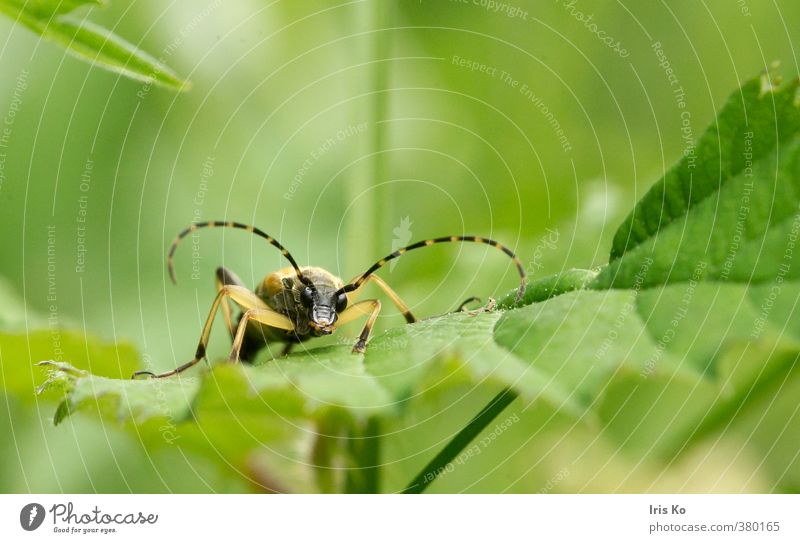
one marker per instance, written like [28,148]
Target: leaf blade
[91,42]
[759,106]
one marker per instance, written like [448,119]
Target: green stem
[366,218]
[364,477]
[381,51]
[460,441]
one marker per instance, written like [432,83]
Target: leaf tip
[62,412]
[59,374]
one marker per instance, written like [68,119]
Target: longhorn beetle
[294,304]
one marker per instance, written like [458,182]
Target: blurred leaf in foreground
[51,19]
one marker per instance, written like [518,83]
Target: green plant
[689,333]
[54,20]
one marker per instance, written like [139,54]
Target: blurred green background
[344,129]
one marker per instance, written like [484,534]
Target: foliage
[53,20]
[687,335]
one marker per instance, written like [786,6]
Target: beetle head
[323,305]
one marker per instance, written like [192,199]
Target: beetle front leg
[367,307]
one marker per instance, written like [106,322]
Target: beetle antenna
[474,239]
[229,224]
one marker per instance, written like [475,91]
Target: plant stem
[460,441]
[367,214]
[381,51]
[364,477]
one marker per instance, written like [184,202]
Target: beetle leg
[244,298]
[463,306]
[263,315]
[367,307]
[396,300]
[469,300]
[227,277]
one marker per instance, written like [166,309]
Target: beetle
[294,304]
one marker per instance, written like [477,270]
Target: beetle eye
[341,302]
[307,296]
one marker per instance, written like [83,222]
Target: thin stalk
[364,476]
[440,462]
[381,48]
[365,220]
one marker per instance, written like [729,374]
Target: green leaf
[731,216]
[44,9]
[236,409]
[751,127]
[660,375]
[610,360]
[85,40]
[83,352]
[123,399]
[547,287]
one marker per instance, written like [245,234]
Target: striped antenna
[229,224]
[428,242]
